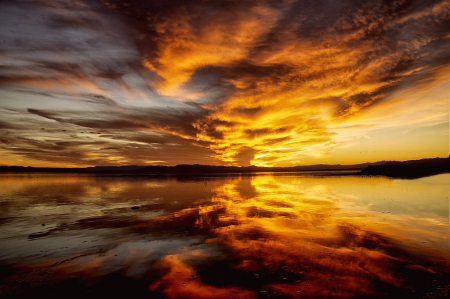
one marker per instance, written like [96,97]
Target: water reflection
[228,237]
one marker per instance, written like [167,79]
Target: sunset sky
[263,82]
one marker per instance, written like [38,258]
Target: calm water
[262,236]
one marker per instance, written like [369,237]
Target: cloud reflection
[239,236]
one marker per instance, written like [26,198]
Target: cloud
[272,80]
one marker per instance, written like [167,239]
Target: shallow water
[261,236]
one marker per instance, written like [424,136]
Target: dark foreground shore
[410,169]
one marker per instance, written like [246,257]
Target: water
[261,236]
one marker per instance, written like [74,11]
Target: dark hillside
[410,169]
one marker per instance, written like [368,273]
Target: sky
[222,82]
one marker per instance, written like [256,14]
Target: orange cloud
[249,82]
[288,73]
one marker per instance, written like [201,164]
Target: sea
[270,235]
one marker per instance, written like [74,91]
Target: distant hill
[414,168]
[410,169]
[187,169]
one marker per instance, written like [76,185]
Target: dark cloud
[274,141]
[245,156]
[45,114]
[178,140]
[85,151]
[67,43]
[255,133]
[170,120]
[6,125]
[100,99]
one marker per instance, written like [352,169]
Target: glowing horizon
[94,83]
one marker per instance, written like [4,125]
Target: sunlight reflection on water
[224,237]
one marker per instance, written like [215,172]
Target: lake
[252,236]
